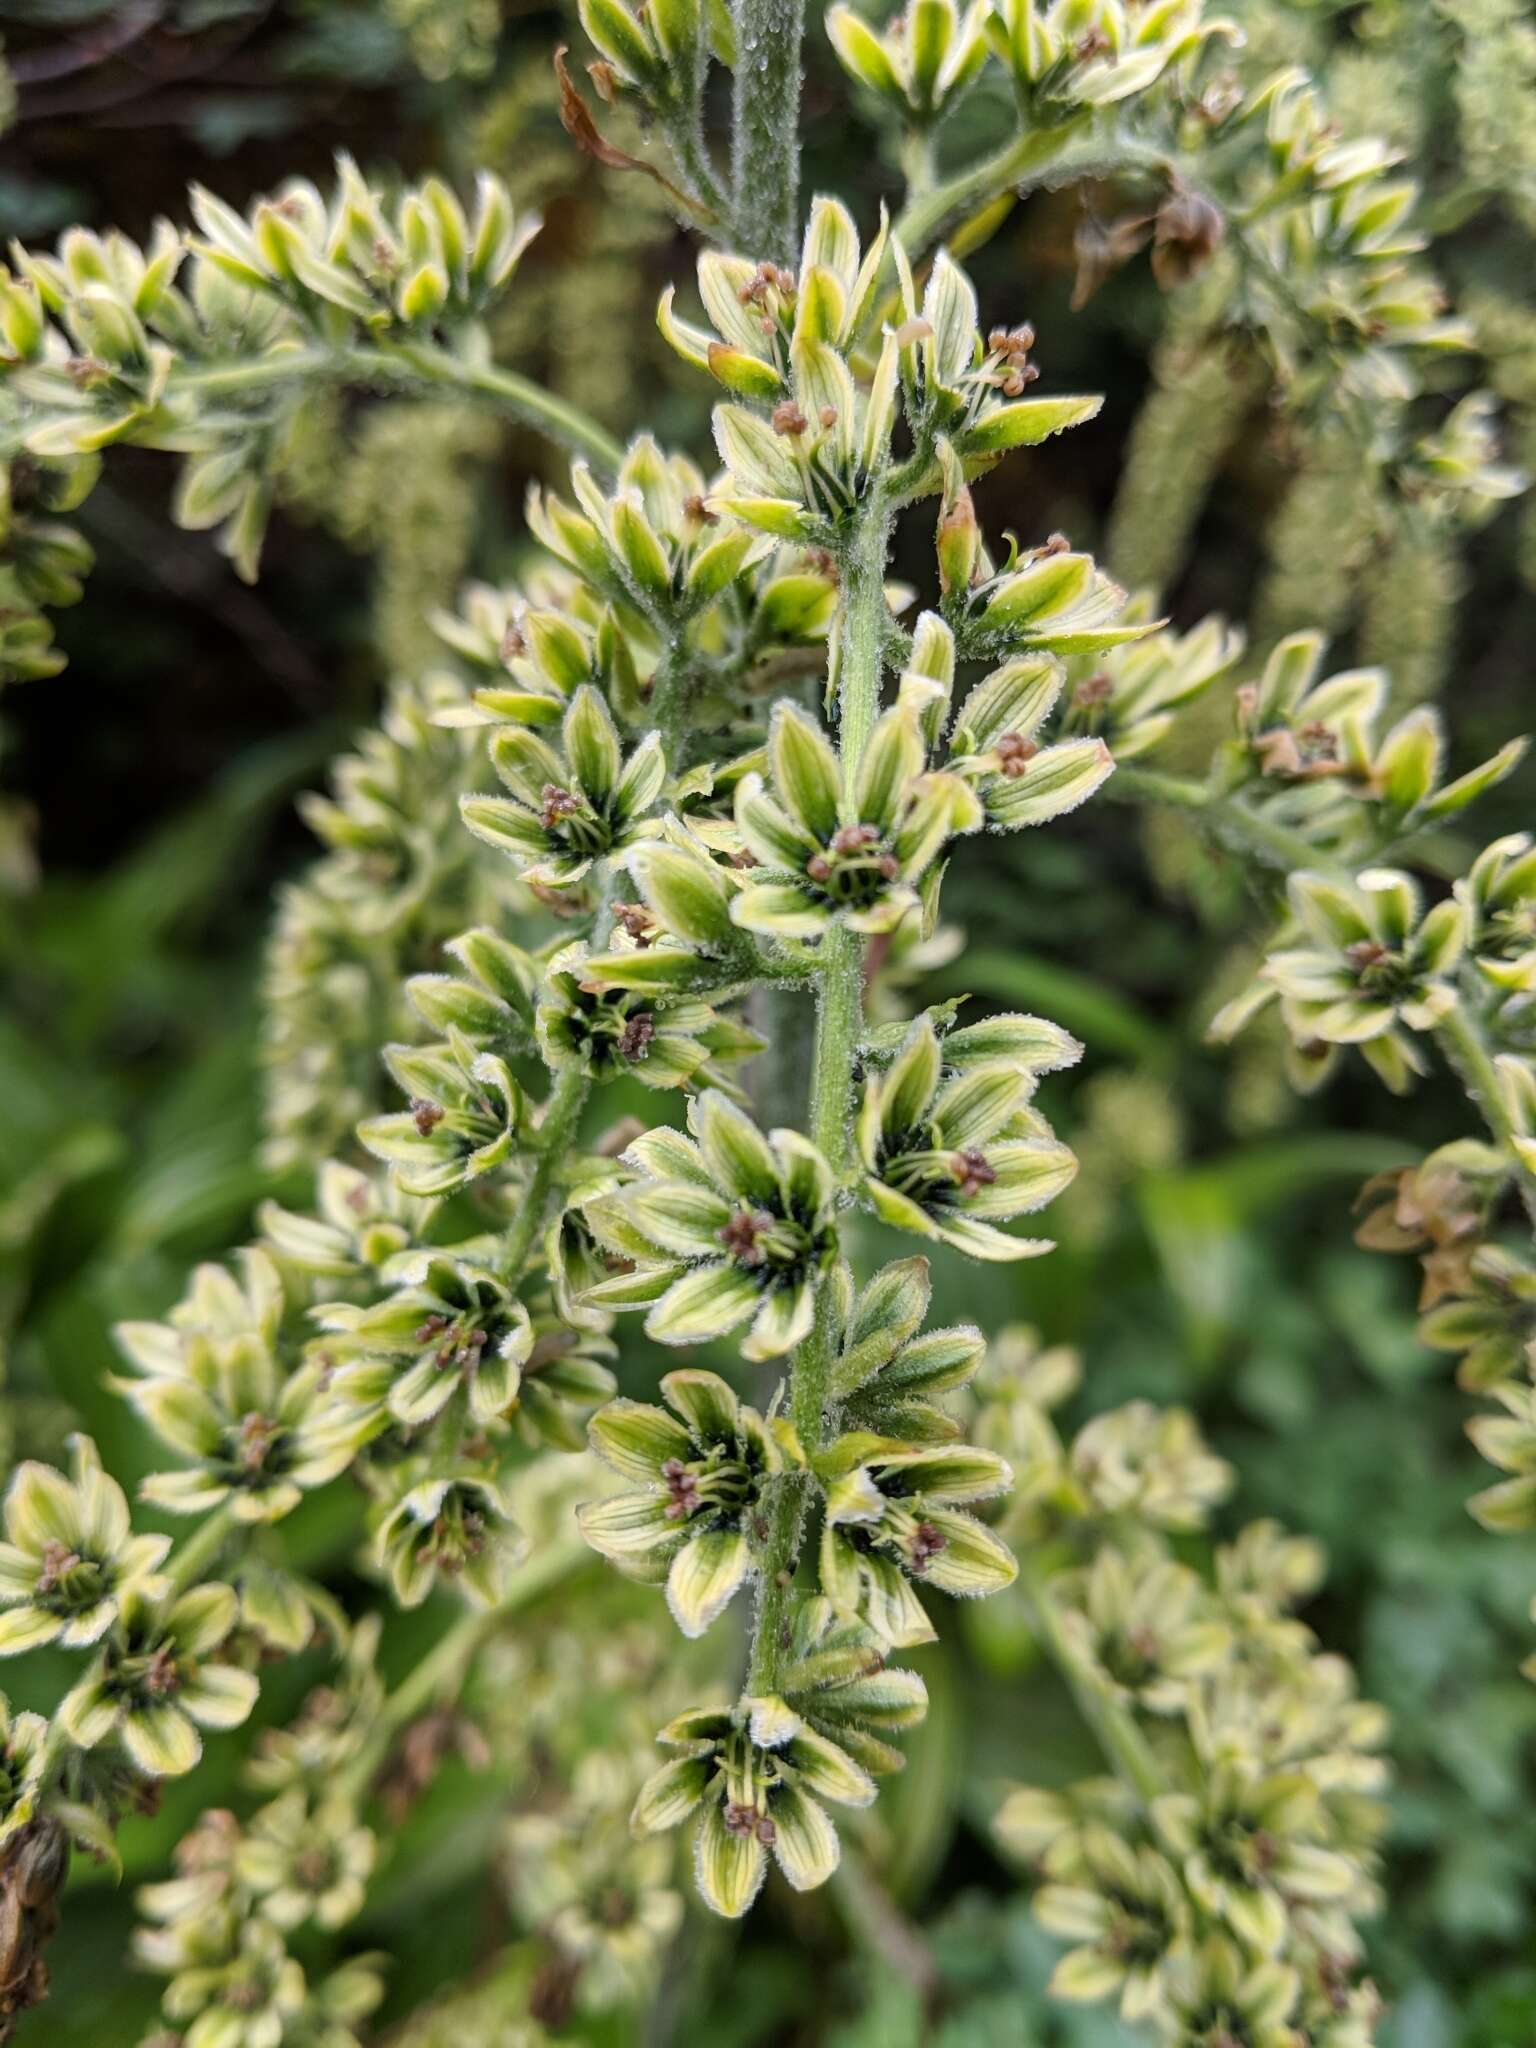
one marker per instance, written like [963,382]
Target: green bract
[698,1518]
[720,1227]
[949,1143]
[1371,971]
[568,809]
[760,1773]
[858,860]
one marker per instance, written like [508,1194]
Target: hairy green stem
[191,1559]
[557,1133]
[766,127]
[684,130]
[1229,819]
[1466,1053]
[442,1671]
[860,632]
[1122,1742]
[420,365]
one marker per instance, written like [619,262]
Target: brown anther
[558,803]
[426,1115]
[853,838]
[1094,689]
[1053,544]
[818,867]
[682,1490]
[432,1327]
[383,254]
[787,418]
[605,81]
[512,643]
[739,1818]
[889,866]
[1014,753]
[635,1038]
[828,416]
[637,922]
[257,1433]
[1094,44]
[163,1677]
[740,1236]
[925,1546]
[766,1832]
[696,509]
[973,1171]
[1365,953]
[312,1867]
[58,1562]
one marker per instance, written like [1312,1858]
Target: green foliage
[653,1033]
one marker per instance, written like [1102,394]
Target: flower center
[854,868]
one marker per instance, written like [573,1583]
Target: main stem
[1123,1745]
[839,1019]
[765,156]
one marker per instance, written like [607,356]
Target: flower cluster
[105,345]
[1216,1882]
[678,837]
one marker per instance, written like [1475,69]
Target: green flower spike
[782,340]
[700,1513]
[723,1226]
[454,1327]
[457,1526]
[307,1864]
[892,1518]
[23,1766]
[158,1679]
[568,809]
[1372,972]
[70,1555]
[760,1773]
[951,1149]
[829,860]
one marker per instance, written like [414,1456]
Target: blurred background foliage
[1205,1257]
